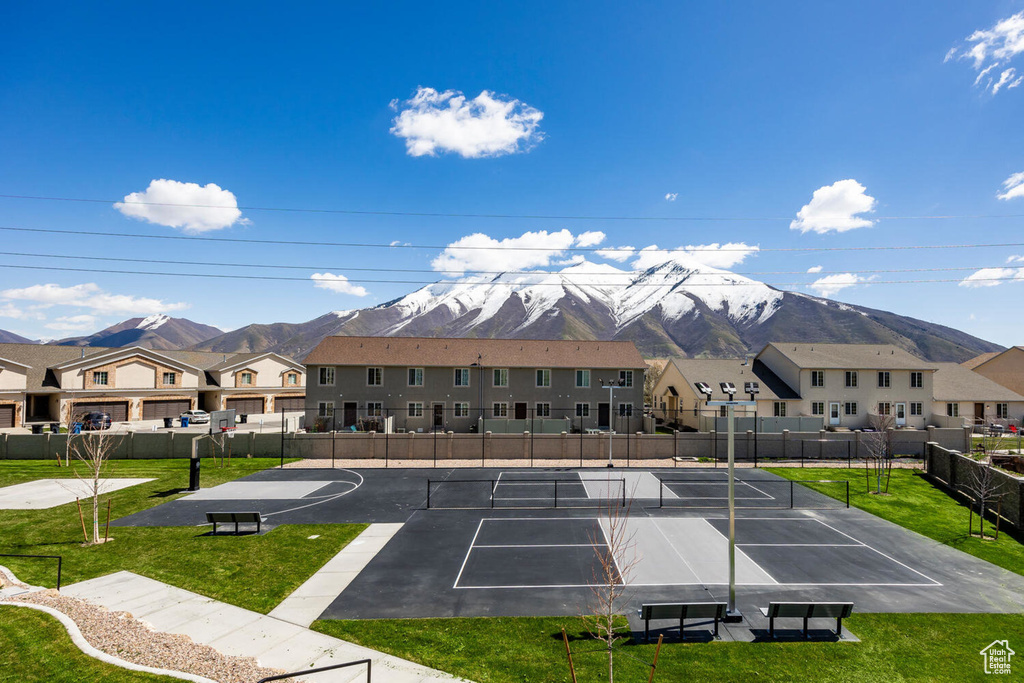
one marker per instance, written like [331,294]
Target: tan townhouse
[964,397]
[1003,367]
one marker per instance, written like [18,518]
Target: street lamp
[611,398]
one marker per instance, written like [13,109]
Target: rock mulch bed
[121,635]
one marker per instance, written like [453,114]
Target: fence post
[428,494]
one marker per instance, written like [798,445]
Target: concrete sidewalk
[309,600]
[236,631]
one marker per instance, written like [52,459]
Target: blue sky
[740,110]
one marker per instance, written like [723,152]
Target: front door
[901,414]
[438,416]
[351,408]
[520,411]
[979,413]
[833,414]
[603,415]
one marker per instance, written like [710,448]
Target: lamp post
[611,398]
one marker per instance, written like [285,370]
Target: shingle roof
[242,358]
[954,382]
[505,353]
[851,356]
[734,370]
[986,357]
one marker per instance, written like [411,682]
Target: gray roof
[954,382]
[850,356]
[734,370]
[42,357]
[241,358]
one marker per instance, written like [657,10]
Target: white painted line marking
[466,559]
[888,557]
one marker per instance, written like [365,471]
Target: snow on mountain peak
[152,322]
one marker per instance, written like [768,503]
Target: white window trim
[886,376]
[851,379]
[325,408]
[814,374]
[464,406]
[242,377]
[623,406]
[503,411]
[463,371]
[580,404]
[850,404]
[414,409]
[374,367]
[916,373]
[536,409]
[320,376]
[588,375]
[626,377]
[536,377]
[173,376]
[408,377]
[494,382]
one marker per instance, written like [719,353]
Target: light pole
[611,398]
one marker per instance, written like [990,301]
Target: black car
[91,421]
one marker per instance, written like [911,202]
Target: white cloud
[193,208]
[434,122]
[1014,187]
[72,323]
[481,252]
[89,295]
[9,310]
[336,283]
[399,243]
[835,207]
[671,196]
[619,254]
[591,238]
[993,49]
[715,255]
[831,285]
[992,277]
[573,260]
[814,269]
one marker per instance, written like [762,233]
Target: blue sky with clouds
[817,125]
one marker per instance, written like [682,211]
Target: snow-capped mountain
[157,331]
[681,307]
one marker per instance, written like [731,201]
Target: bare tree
[655,369]
[880,448]
[984,489]
[94,449]
[615,546]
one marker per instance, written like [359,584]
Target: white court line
[801,545]
[749,558]
[608,544]
[542,545]
[888,557]
[764,495]
[779,585]
[466,559]
[325,500]
[676,551]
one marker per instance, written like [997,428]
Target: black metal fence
[60,561]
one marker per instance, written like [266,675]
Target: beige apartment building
[1003,367]
[966,397]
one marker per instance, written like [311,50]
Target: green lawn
[917,505]
[35,647]
[893,647]
[254,572]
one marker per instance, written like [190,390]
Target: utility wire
[441,214]
[371,245]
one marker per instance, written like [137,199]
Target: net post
[847,493]
[492,494]
[556,494]
[387,442]
[623,493]
[790,494]
[849,456]
[428,494]
[661,493]
[802,442]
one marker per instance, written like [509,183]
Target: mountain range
[677,308]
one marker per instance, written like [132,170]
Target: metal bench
[681,611]
[807,611]
[237,518]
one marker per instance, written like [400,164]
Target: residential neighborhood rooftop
[954,382]
[850,356]
[737,371]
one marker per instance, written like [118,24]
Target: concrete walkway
[236,631]
[309,600]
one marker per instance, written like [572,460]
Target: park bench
[807,611]
[237,518]
[681,611]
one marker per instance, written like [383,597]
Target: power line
[630,250]
[441,214]
[276,266]
[479,284]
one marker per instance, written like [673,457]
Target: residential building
[44,383]
[966,397]
[1003,367]
[463,385]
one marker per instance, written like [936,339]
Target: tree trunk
[96,510]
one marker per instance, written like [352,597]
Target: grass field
[917,505]
[254,572]
[35,647]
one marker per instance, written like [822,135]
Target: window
[916,409]
[246,378]
[1002,411]
[170,378]
[415,377]
[779,409]
[499,410]
[885,408]
[626,378]
[625,410]
[100,377]
[583,378]
[817,379]
[461,409]
[326,376]
[325,408]
[374,377]
[415,409]
[501,377]
[850,408]
[817,408]
[582,410]
[543,378]
[916,380]
[883,379]
[462,377]
[851,378]
[953,409]
[543,410]
[293,379]
[374,408]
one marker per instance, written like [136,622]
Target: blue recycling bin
[76,427]
[184,421]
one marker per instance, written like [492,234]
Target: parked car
[93,421]
[196,417]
